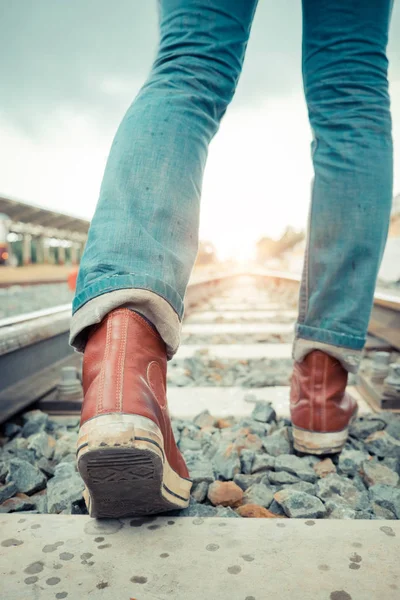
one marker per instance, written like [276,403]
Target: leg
[140,251]
[346,88]
[144,235]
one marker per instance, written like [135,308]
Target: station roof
[19,212]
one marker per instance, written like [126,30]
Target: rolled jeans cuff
[349,358]
[151,305]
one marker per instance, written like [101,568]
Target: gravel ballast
[246,470]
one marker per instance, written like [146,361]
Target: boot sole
[316,442]
[312,442]
[122,461]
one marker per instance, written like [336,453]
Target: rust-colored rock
[225,493]
[324,467]
[251,442]
[224,423]
[216,377]
[18,502]
[243,432]
[254,511]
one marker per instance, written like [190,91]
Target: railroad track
[33,350]
[234,357]
[34,346]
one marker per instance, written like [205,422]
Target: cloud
[62,170]
[91,57]
[60,53]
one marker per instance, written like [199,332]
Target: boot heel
[122,461]
[312,442]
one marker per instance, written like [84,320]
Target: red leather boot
[320,408]
[127,455]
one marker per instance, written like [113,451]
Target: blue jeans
[144,234]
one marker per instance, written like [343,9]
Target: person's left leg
[143,238]
[140,251]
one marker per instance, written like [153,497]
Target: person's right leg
[346,87]
[141,248]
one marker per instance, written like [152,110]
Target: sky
[70,69]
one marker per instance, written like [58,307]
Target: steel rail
[34,347]
[31,316]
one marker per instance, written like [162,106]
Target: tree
[268,248]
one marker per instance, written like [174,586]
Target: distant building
[271,252]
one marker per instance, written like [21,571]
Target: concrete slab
[236,328]
[249,315]
[239,351]
[187,402]
[45,557]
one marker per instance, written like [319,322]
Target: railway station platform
[34,274]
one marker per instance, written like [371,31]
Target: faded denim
[346,88]
[144,234]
